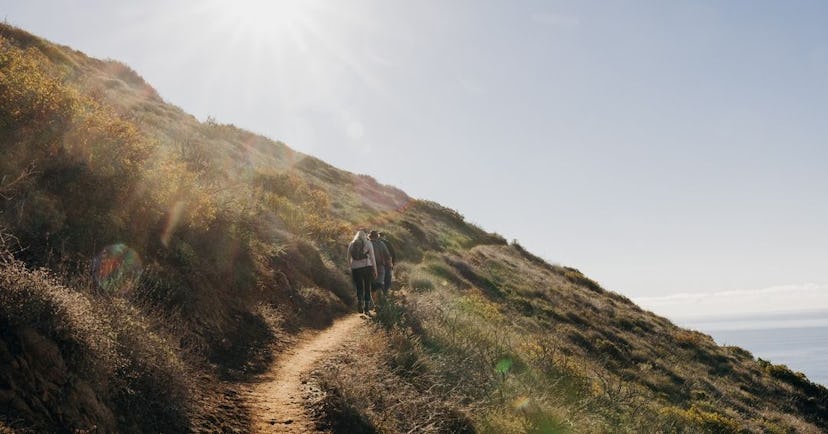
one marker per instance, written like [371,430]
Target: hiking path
[277,399]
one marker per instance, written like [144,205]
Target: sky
[675,152]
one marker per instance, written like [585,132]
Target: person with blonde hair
[363,265]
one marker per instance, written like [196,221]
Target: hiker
[389,272]
[384,262]
[363,268]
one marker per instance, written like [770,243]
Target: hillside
[151,264]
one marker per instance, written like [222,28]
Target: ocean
[799,341]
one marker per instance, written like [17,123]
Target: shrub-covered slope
[151,261]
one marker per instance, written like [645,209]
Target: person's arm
[390,252]
[372,256]
[389,260]
[348,254]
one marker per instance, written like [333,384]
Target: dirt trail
[277,401]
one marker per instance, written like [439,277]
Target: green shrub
[420,281]
[390,313]
[695,418]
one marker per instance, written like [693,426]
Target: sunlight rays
[301,39]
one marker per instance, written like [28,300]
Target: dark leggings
[362,280]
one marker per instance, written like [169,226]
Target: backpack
[357,250]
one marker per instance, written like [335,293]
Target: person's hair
[374,234]
[360,235]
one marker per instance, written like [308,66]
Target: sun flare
[263,14]
[271,20]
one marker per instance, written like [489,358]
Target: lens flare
[173,217]
[117,268]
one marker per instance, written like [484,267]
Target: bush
[93,361]
[705,421]
[419,280]
[690,339]
[390,313]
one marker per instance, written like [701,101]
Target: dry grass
[97,355]
[542,353]
[383,386]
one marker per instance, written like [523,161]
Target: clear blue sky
[676,152]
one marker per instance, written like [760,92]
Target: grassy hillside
[150,262]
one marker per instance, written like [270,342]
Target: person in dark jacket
[384,261]
[389,272]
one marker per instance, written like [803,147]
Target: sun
[271,22]
[268,16]
[297,55]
